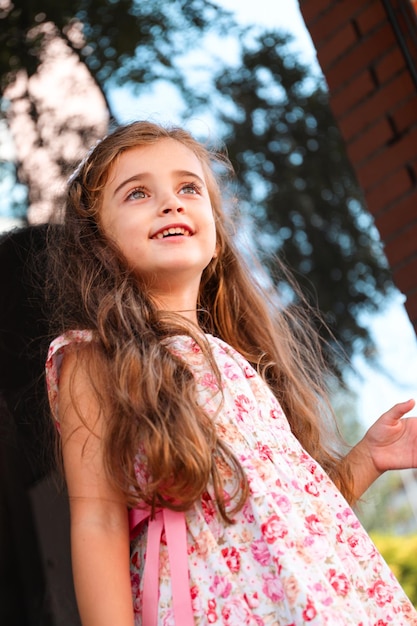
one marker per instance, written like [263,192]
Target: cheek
[215,238]
[105,224]
[122,229]
[119,235]
[213,241]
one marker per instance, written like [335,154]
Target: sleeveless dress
[296,553]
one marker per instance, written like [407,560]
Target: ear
[216,252]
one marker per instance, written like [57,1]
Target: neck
[184,306]
[176,294]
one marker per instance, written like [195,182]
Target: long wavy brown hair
[148,394]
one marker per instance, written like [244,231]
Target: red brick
[371,16]
[411,307]
[390,64]
[374,138]
[378,148]
[334,19]
[405,115]
[311,9]
[341,12]
[361,56]
[383,100]
[387,161]
[341,41]
[352,94]
[403,246]
[405,277]
[398,216]
[322,30]
[390,189]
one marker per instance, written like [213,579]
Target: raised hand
[392,439]
[389,444]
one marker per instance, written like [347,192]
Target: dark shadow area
[35,571]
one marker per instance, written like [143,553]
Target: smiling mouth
[172,232]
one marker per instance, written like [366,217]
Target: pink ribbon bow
[176,537]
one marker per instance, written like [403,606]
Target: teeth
[173,231]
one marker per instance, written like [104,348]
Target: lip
[174,225]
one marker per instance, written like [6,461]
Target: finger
[399,409]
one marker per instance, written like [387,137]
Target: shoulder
[71,337]
[63,346]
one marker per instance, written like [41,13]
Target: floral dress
[296,553]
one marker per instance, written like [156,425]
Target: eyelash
[135,190]
[194,186]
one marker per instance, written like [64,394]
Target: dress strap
[174,524]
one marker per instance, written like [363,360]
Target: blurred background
[240,75]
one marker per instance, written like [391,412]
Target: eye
[190,188]
[136,194]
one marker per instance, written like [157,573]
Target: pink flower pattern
[296,553]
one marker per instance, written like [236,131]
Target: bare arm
[390,443]
[99,520]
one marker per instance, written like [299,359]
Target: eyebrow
[141,176]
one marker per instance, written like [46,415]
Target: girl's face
[157,209]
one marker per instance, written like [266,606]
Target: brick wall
[373,95]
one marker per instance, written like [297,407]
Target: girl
[191,415]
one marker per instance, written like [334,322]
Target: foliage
[13,195]
[108,42]
[399,552]
[297,181]
[384,508]
[345,407]
[118,40]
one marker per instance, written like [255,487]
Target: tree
[297,182]
[119,41]
[88,46]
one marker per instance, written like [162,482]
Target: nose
[179,209]
[171,204]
